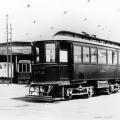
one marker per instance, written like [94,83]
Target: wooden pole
[7,46]
[11,53]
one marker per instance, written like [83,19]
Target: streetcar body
[66,66]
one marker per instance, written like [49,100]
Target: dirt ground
[14,106]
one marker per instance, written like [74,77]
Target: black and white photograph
[59,60]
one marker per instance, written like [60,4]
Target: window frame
[88,54]
[21,67]
[105,56]
[95,55]
[80,60]
[65,60]
[46,52]
[108,61]
[37,50]
[116,57]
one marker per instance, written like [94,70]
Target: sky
[40,19]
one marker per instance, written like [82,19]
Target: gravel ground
[14,106]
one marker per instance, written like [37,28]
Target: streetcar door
[64,61]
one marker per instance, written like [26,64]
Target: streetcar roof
[75,37]
[83,41]
[71,39]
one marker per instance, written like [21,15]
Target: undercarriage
[50,92]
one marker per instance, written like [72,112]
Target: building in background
[15,62]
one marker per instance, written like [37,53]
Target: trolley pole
[11,53]
[7,46]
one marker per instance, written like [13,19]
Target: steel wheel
[68,93]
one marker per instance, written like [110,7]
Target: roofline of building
[17,43]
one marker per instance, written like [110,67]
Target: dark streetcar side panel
[45,73]
[95,72]
[63,72]
[118,72]
[50,74]
[83,72]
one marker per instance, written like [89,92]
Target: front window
[63,56]
[114,57]
[50,52]
[37,54]
[93,55]
[102,56]
[119,57]
[38,59]
[77,54]
[109,56]
[24,67]
[86,54]
[37,50]
[20,68]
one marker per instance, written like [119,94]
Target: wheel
[116,88]
[68,93]
[109,92]
[90,93]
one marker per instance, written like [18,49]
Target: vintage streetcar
[71,64]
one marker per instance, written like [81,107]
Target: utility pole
[7,46]
[11,53]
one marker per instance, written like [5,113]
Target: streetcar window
[63,56]
[86,54]
[24,67]
[109,53]
[93,55]
[37,54]
[77,54]
[37,58]
[102,56]
[119,57]
[28,67]
[20,67]
[37,50]
[50,52]
[114,56]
